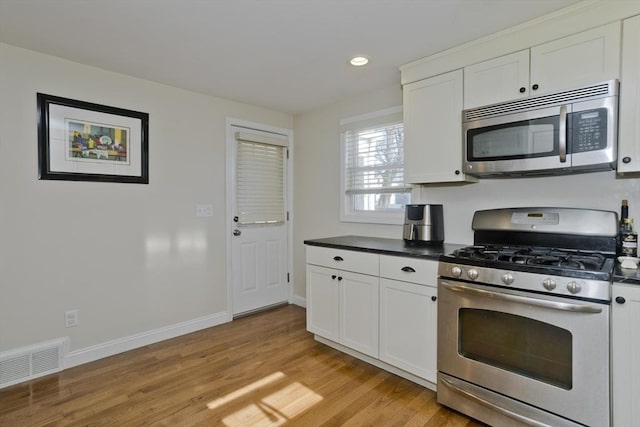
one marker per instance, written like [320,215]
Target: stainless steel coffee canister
[424,223]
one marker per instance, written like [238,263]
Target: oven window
[519,140]
[517,344]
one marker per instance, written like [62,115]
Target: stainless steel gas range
[523,318]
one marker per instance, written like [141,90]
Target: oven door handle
[479,400]
[556,305]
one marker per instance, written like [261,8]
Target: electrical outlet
[204,210]
[70,318]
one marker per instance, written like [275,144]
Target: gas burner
[533,256]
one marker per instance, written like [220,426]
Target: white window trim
[346,215]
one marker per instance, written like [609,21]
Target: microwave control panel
[589,130]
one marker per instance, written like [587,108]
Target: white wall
[317,186]
[600,190]
[317,175]
[131,258]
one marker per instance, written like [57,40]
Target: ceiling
[287,55]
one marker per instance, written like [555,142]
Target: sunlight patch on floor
[245,390]
[274,409]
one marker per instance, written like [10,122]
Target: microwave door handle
[562,134]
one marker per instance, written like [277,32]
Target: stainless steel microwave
[562,132]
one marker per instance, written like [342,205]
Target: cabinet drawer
[359,262]
[414,270]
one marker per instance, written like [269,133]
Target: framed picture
[81,141]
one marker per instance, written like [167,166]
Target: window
[373,187]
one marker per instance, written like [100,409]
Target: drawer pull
[339,278]
[408,269]
[338,258]
[333,277]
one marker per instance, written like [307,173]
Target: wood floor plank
[265,369]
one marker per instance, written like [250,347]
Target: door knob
[237,232]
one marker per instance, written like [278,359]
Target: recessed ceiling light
[359,61]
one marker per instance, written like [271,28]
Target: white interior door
[259,242]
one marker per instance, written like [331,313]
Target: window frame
[387,117]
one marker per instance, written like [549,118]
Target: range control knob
[456,271]
[574,287]
[549,284]
[507,278]
[472,274]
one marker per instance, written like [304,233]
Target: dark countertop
[625,275]
[384,246]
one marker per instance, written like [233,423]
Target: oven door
[548,352]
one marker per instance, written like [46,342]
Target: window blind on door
[259,179]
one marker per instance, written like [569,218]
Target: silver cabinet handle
[562,134]
[556,305]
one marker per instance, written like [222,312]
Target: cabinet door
[323,310]
[359,312]
[408,322]
[629,132]
[433,129]
[497,80]
[584,58]
[625,354]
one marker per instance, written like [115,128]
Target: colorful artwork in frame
[82,141]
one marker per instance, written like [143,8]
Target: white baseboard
[109,348]
[302,302]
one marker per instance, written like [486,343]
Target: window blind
[259,182]
[374,160]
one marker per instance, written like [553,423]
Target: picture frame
[83,141]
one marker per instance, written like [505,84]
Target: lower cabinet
[342,306]
[359,312]
[382,306]
[323,307]
[625,351]
[408,318]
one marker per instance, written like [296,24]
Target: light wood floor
[265,369]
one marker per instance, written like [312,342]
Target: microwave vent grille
[556,98]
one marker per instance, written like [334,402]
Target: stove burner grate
[534,256]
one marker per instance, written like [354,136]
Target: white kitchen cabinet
[408,315]
[359,312]
[433,129]
[497,80]
[625,354]
[629,118]
[342,305]
[323,302]
[581,59]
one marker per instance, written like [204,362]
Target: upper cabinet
[585,58]
[581,59]
[433,129]
[629,131]
[497,80]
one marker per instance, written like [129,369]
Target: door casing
[230,172]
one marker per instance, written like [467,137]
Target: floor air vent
[27,363]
